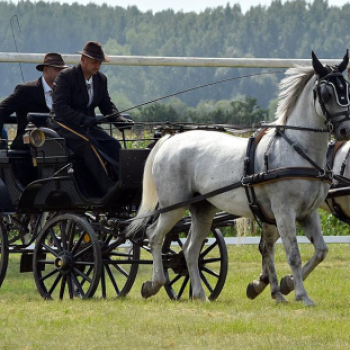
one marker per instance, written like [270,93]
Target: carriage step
[26,264]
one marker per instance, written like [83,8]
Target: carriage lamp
[33,136]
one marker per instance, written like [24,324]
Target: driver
[77,92]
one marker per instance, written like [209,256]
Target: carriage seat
[18,153]
[38,119]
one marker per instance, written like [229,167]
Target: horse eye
[326,94]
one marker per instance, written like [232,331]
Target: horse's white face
[332,97]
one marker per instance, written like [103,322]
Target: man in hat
[77,92]
[32,97]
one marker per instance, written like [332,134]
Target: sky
[184,5]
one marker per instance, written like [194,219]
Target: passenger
[35,97]
[77,92]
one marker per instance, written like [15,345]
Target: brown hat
[94,50]
[52,59]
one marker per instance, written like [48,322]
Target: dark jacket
[26,98]
[70,97]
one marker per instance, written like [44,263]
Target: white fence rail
[14,57]
[300,239]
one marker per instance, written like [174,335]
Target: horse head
[331,96]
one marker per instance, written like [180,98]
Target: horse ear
[345,62]
[318,66]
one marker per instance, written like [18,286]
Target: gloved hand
[121,122]
[89,122]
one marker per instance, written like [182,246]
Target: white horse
[197,162]
[337,203]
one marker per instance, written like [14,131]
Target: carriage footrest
[26,264]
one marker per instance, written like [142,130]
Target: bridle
[335,81]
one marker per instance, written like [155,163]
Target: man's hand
[121,122]
[89,122]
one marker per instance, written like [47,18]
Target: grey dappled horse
[197,162]
[339,204]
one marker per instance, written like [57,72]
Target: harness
[250,179]
[340,188]
[333,80]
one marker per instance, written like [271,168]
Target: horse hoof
[287,284]
[147,290]
[306,301]
[279,298]
[251,292]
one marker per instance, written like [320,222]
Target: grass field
[231,322]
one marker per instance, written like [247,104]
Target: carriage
[71,236]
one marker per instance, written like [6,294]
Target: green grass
[231,322]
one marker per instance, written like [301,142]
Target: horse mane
[290,88]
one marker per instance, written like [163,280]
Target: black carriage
[71,236]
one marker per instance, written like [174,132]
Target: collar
[46,86]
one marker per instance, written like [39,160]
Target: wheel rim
[67,259]
[120,258]
[212,263]
[4,253]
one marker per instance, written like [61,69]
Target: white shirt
[48,94]
[90,89]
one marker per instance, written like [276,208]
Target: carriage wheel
[213,264]
[67,259]
[4,253]
[120,258]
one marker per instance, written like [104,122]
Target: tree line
[289,30]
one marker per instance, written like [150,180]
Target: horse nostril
[345,133]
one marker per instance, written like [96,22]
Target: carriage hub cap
[64,263]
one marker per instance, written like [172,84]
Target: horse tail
[149,192]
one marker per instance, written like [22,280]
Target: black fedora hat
[52,59]
[93,49]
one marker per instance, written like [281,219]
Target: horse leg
[287,229]
[156,233]
[202,215]
[268,274]
[313,231]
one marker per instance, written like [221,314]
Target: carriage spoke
[204,279]
[63,234]
[51,273]
[78,286]
[82,252]
[70,234]
[103,283]
[174,280]
[209,249]
[178,240]
[70,287]
[54,284]
[56,241]
[84,276]
[183,286]
[77,244]
[120,269]
[211,260]
[52,251]
[210,272]
[111,277]
[87,274]
[63,286]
